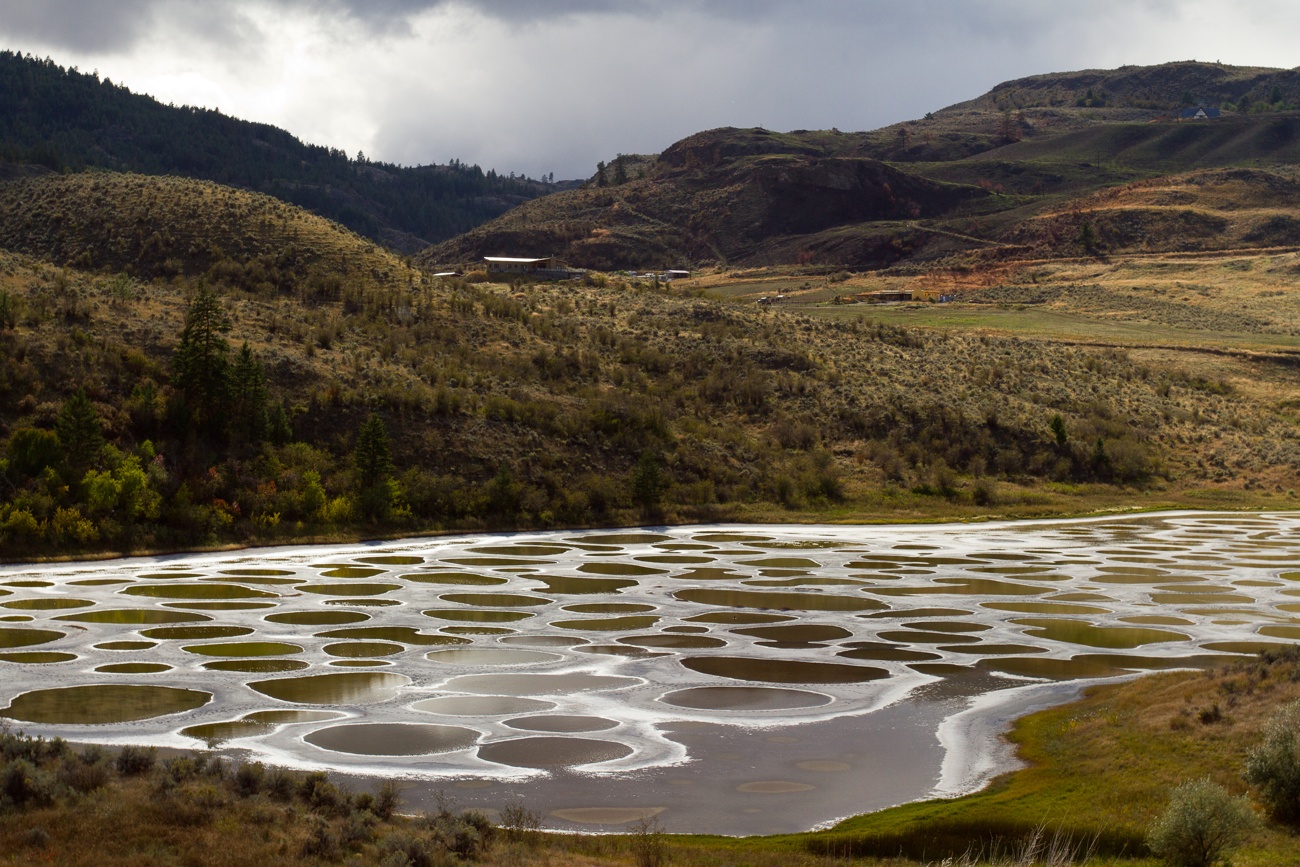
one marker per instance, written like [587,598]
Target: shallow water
[480,660]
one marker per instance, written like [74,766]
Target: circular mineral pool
[554,752]
[393,739]
[103,704]
[744,698]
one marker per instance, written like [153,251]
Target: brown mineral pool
[562,585]
[360,663]
[782,670]
[257,573]
[349,589]
[126,645]
[622,538]
[559,724]
[258,723]
[103,704]
[559,752]
[134,668]
[778,601]
[609,608]
[1082,632]
[244,649]
[609,624]
[456,578]
[54,604]
[196,591]
[219,606]
[965,587]
[537,684]
[884,652]
[404,634]
[1045,608]
[317,618]
[620,569]
[393,739]
[738,618]
[393,560]
[262,579]
[489,562]
[473,616]
[134,616]
[1289,632]
[521,550]
[359,649]
[796,633]
[481,705]
[38,657]
[358,687]
[195,633]
[491,656]
[495,600]
[351,572]
[15,637]
[919,636]
[744,698]
[545,640]
[256,666]
[674,642]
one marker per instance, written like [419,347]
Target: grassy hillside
[65,119]
[537,405]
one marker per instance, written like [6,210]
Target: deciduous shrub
[1201,823]
[1273,766]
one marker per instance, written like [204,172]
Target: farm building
[546,267]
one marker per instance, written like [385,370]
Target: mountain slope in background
[62,118]
[962,179]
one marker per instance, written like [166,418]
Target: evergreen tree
[200,364]
[81,435]
[374,462]
[248,410]
[648,483]
[371,455]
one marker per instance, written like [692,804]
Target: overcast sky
[555,85]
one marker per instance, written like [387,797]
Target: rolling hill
[600,403]
[66,119]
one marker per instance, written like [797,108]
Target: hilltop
[965,177]
[65,119]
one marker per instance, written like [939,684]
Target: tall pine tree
[200,365]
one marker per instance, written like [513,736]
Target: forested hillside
[66,119]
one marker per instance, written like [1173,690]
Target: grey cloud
[77,24]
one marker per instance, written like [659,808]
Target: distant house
[676,274]
[545,267]
[1199,113]
[884,296]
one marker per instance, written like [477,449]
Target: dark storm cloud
[77,24]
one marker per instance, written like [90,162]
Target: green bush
[133,761]
[1201,823]
[1273,766]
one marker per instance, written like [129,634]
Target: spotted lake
[734,679]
